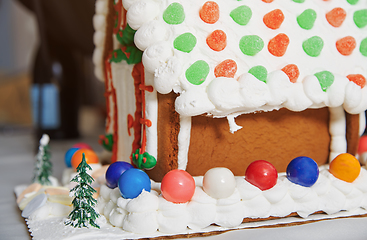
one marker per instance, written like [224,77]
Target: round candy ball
[178,186]
[90,157]
[219,182]
[362,145]
[82,145]
[114,171]
[303,171]
[132,182]
[345,167]
[261,174]
[68,155]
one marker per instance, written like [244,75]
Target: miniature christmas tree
[43,168]
[83,213]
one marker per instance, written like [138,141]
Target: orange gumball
[345,167]
[90,157]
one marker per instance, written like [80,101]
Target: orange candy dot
[217,40]
[90,157]
[292,72]
[209,13]
[346,45]
[336,16]
[274,19]
[227,68]
[278,45]
[357,79]
[345,167]
[267,1]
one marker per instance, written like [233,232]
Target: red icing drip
[118,9]
[146,88]
[137,74]
[110,94]
[130,123]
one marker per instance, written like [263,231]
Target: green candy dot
[197,72]
[363,47]
[360,18]
[307,19]
[299,1]
[325,78]
[241,15]
[185,42]
[174,14]
[251,44]
[352,2]
[313,46]
[259,72]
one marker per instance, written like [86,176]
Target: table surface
[17,151]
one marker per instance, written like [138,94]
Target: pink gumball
[178,186]
[82,145]
[362,146]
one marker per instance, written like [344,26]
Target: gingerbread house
[200,84]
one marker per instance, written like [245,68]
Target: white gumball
[219,182]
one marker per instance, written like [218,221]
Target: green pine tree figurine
[83,213]
[43,168]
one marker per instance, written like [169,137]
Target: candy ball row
[178,186]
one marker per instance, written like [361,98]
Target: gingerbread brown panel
[276,136]
[168,128]
[352,132]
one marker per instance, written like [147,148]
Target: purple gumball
[114,171]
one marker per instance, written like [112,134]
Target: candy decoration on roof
[326,79]
[259,72]
[219,182]
[306,19]
[143,160]
[185,42]
[292,72]
[345,167]
[363,47]
[274,19]
[209,13]
[174,14]
[227,68]
[352,2]
[43,166]
[267,1]
[241,15]
[278,45]
[303,171]
[132,182]
[114,172]
[261,174]
[357,79]
[83,213]
[89,155]
[336,17]
[197,72]
[178,186]
[299,1]
[217,40]
[106,141]
[313,46]
[251,44]
[360,18]
[346,45]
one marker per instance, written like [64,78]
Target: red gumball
[82,145]
[178,186]
[261,174]
[362,146]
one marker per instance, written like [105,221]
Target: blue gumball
[114,171]
[132,182]
[303,171]
[69,154]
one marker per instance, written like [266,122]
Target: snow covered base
[54,228]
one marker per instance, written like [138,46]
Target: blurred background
[47,84]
